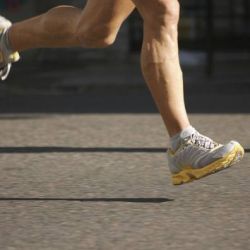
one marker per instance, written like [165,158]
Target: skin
[97,25]
[160,61]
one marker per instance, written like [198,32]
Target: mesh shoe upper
[197,151]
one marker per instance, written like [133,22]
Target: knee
[162,13]
[91,36]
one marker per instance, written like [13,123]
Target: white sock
[176,139]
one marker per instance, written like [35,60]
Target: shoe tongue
[187,132]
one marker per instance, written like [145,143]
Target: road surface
[101,182]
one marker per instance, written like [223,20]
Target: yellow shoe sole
[14,57]
[189,174]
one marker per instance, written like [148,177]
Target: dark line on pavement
[128,200]
[45,150]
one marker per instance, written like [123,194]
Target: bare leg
[160,60]
[66,26]
[52,29]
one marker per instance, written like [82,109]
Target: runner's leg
[160,60]
[192,155]
[65,26]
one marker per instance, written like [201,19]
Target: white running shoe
[5,59]
[199,156]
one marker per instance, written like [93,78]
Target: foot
[6,58]
[199,156]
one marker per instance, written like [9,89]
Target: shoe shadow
[92,200]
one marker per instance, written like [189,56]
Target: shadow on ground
[45,150]
[125,200]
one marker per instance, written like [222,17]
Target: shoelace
[203,141]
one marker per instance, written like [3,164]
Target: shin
[160,60]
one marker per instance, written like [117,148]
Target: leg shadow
[92,200]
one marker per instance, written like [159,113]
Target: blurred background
[214,41]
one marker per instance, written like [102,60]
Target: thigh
[106,12]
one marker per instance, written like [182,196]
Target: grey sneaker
[5,59]
[199,156]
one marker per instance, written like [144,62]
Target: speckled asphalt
[101,182]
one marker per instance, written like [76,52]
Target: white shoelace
[203,141]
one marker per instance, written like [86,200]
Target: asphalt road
[101,182]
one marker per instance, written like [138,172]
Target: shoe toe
[226,149]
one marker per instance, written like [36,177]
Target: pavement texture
[101,181]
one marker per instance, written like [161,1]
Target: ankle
[175,140]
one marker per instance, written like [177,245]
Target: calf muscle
[53,29]
[66,26]
[160,61]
